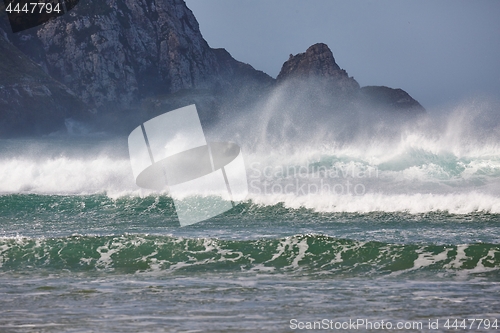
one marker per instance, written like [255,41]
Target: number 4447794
[471,324]
[34,7]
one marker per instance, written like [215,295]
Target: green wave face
[313,255]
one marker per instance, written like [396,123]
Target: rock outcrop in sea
[317,63]
[114,63]
[316,69]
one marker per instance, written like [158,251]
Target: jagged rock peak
[317,61]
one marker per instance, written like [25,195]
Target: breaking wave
[449,163]
[303,254]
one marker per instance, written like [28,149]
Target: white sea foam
[448,164]
[462,188]
[459,259]
[64,175]
[377,202]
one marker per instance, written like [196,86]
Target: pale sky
[441,52]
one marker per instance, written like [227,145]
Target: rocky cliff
[382,97]
[116,55]
[115,52]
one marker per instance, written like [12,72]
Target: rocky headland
[115,63]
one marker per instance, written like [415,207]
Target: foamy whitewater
[359,219]
[425,168]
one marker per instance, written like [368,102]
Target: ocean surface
[403,232]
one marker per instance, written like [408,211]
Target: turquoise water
[82,249]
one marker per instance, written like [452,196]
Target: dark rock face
[31,102]
[236,71]
[390,99]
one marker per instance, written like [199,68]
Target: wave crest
[303,254]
